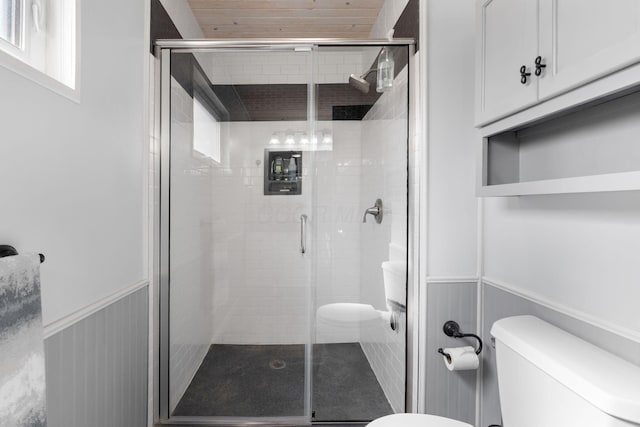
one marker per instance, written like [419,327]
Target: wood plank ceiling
[258,19]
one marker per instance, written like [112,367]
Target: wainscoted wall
[191,237]
[450,394]
[449,208]
[384,176]
[97,368]
[498,303]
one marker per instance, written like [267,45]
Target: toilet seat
[416,420]
[347,313]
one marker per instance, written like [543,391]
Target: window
[11,22]
[206,132]
[38,40]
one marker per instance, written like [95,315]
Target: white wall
[73,172]
[451,202]
[577,253]
[384,176]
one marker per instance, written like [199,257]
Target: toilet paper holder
[452,329]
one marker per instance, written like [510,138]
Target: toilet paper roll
[462,358]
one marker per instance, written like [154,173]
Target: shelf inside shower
[282,172]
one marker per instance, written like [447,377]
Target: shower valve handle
[376,211]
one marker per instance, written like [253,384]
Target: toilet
[548,377]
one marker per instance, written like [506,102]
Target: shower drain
[277,364]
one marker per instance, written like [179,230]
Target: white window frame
[52,62]
[7,46]
[210,124]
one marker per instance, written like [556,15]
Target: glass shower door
[238,184]
[279,302]
[361,230]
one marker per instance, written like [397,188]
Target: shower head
[361,83]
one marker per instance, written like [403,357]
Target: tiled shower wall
[338,227]
[261,282]
[283,67]
[191,245]
[384,176]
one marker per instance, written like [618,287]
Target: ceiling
[258,19]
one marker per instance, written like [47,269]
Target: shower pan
[277,303]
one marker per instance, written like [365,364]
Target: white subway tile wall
[261,282]
[281,67]
[191,242]
[384,175]
[338,222]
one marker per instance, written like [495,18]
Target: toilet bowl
[346,313]
[345,322]
[416,420]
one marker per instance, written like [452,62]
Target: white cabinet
[581,40]
[507,41]
[578,41]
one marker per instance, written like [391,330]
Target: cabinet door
[507,40]
[582,40]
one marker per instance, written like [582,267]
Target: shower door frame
[163,50]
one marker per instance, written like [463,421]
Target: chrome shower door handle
[303,234]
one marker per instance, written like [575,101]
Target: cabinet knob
[539,66]
[524,74]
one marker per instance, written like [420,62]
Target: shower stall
[285,236]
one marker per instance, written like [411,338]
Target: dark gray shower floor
[240,381]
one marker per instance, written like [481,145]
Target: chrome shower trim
[231,43]
[415,170]
[163,49]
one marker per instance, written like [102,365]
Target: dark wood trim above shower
[408,24]
[162,26]
[288,102]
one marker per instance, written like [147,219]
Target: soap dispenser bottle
[293,169]
[386,70]
[277,168]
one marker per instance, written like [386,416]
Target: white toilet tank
[394,274]
[548,377]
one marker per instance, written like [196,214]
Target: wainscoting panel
[499,303]
[450,394]
[97,368]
